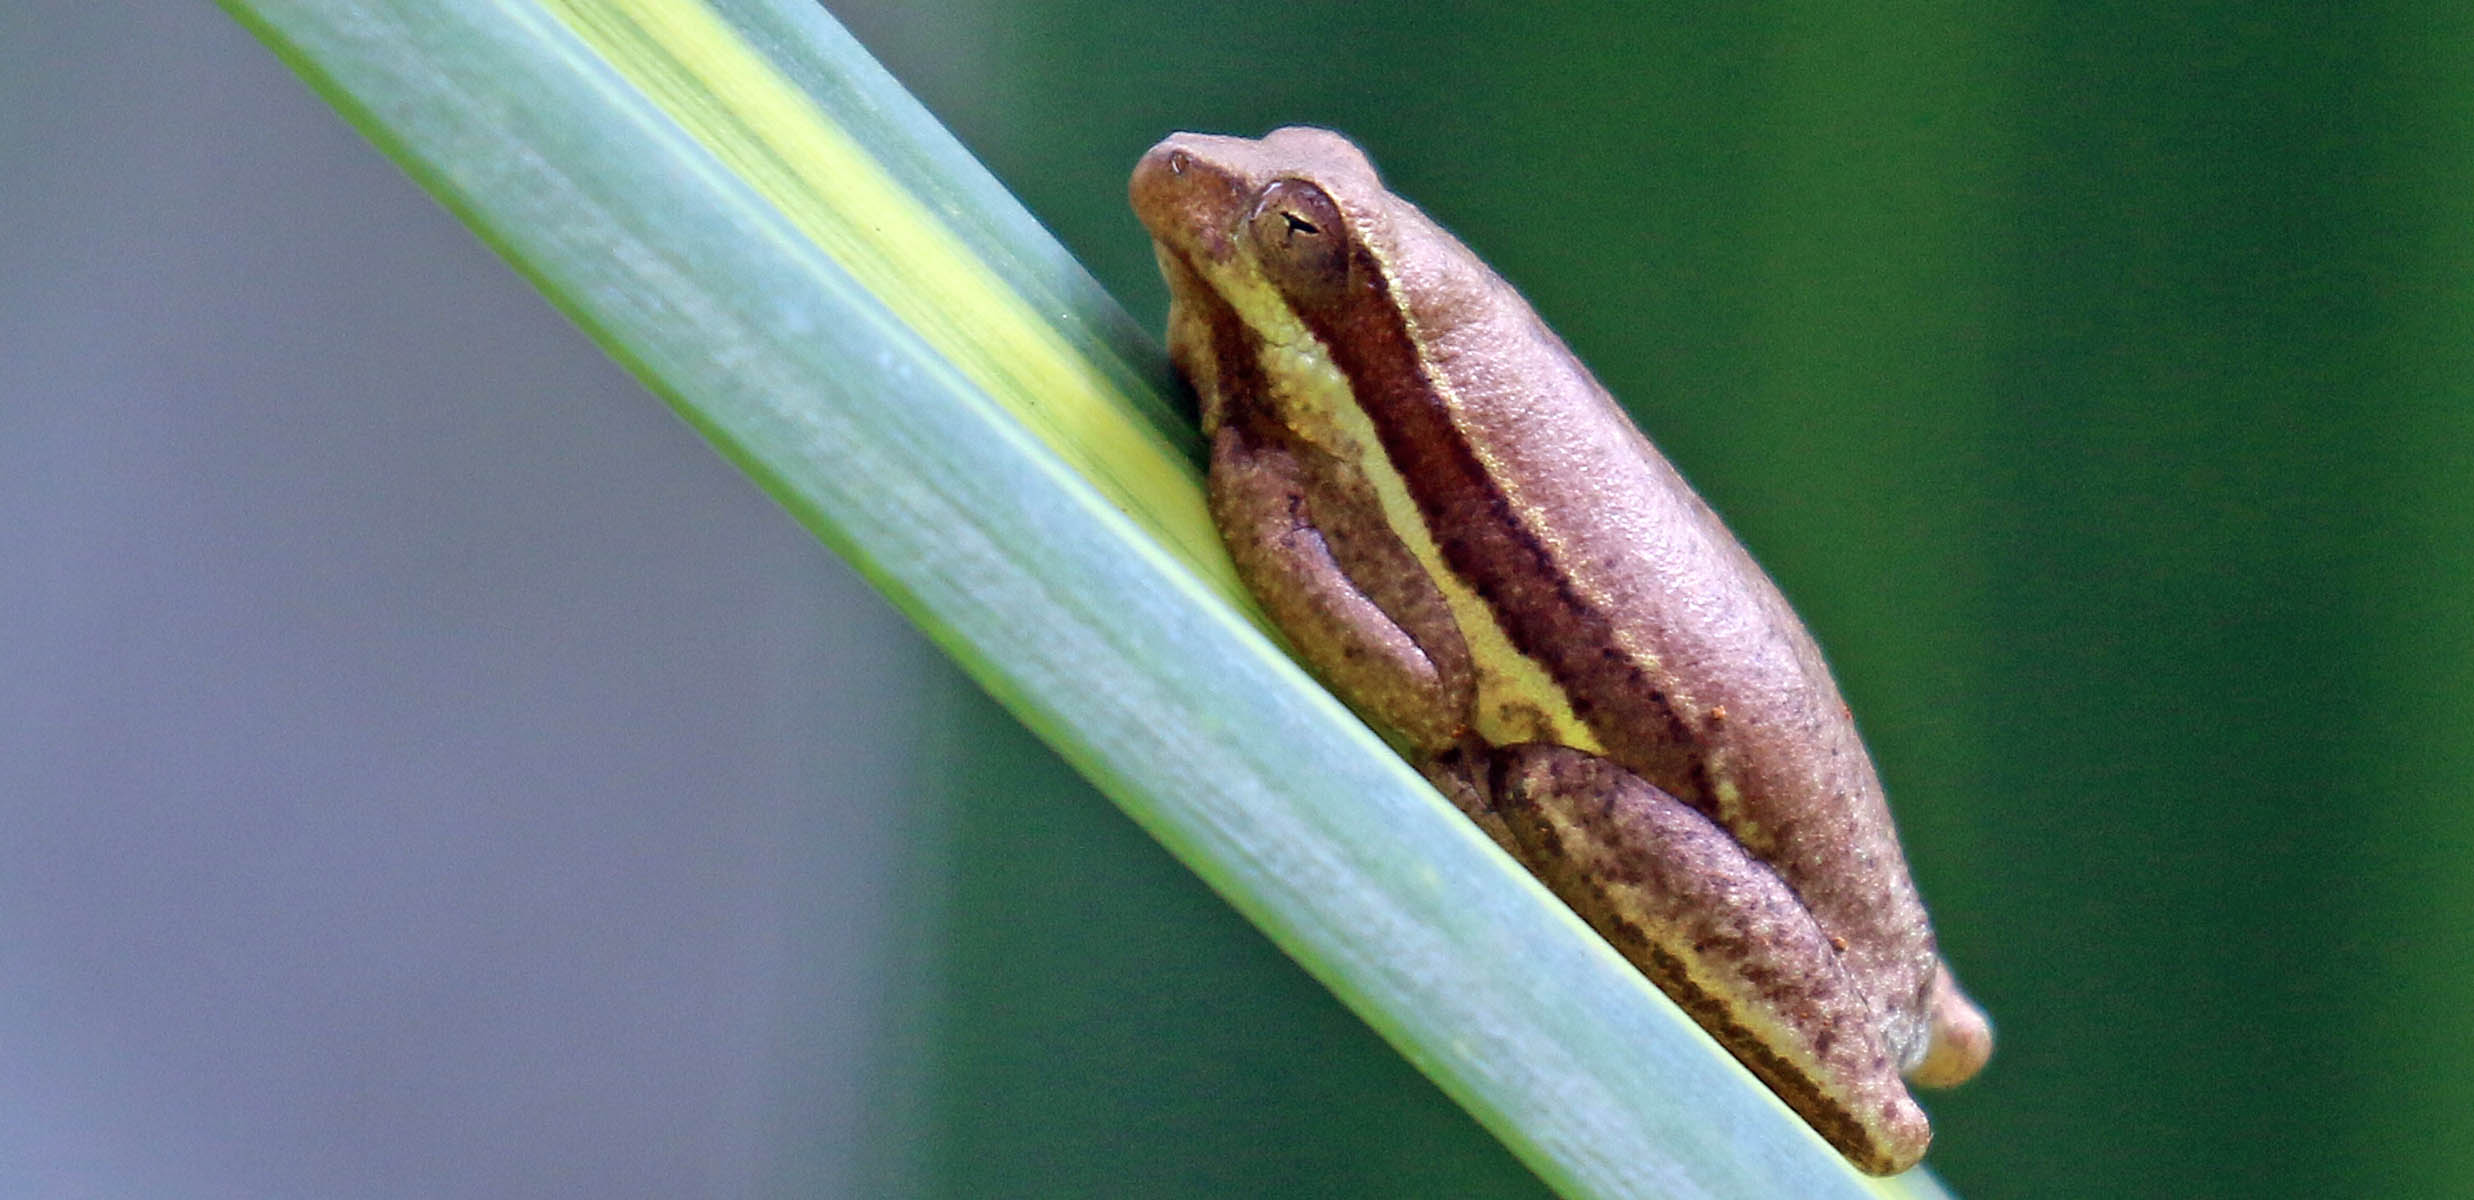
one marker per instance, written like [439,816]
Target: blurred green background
[395,807]
[2096,379]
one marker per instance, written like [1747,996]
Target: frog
[1464,536]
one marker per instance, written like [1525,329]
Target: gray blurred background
[427,770]
[393,806]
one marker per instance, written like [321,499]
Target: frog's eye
[1299,239]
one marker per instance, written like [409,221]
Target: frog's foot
[1721,934]
[1962,1036]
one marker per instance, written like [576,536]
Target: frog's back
[1669,640]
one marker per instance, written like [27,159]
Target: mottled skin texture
[1472,544]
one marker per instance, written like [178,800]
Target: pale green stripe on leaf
[733,101]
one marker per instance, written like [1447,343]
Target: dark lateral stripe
[1835,1122]
[1485,542]
[1241,395]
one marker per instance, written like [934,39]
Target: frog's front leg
[1718,931]
[1310,542]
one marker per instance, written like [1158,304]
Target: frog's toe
[1962,1037]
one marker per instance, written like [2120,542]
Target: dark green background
[2095,379]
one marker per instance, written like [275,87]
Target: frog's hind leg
[1313,548]
[1720,933]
